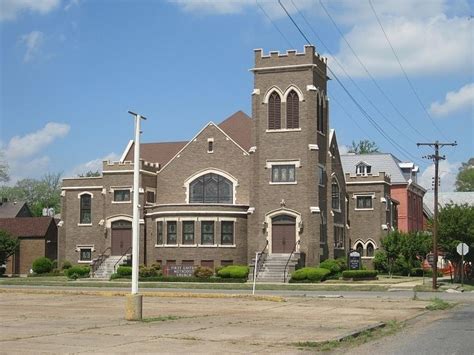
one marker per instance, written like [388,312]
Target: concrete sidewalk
[59,323]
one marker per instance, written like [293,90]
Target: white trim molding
[296,89]
[283,211]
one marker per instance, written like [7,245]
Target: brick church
[272,181]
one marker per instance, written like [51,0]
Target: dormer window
[363,169]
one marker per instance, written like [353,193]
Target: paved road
[450,332]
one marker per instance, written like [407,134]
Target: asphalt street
[447,332]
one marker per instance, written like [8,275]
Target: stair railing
[121,257]
[259,260]
[285,271]
[98,261]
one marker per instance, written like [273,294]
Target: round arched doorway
[121,237]
[283,234]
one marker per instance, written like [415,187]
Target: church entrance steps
[274,268]
[108,267]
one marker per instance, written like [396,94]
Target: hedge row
[234,272]
[77,272]
[310,273]
[182,279]
[359,274]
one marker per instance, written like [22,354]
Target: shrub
[234,272]
[310,273]
[124,271]
[359,274]
[66,265]
[55,264]
[332,265]
[203,272]
[78,271]
[42,265]
[150,271]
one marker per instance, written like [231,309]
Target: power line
[357,86]
[368,73]
[402,150]
[274,24]
[404,72]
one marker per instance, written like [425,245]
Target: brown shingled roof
[237,126]
[26,226]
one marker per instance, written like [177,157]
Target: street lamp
[133,309]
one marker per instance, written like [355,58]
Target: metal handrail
[99,260]
[123,254]
[288,261]
[260,257]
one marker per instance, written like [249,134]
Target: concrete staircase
[273,268]
[107,268]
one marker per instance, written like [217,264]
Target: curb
[356,333]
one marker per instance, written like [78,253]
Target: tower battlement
[291,57]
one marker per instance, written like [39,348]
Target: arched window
[320,113]
[336,196]
[370,249]
[211,188]
[85,207]
[292,110]
[360,248]
[274,111]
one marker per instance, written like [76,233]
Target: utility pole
[436,158]
[134,300]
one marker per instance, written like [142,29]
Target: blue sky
[70,70]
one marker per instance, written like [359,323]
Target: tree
[465,177]
[8,247]
[91,173]
[4,177]
[38,194]
[364,146]
[456,225]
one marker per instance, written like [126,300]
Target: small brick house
[38,237]
[273,182]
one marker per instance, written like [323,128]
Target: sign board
[354,260]
[462,249]
[180,270]
[430,259]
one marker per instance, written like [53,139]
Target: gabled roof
[444,198]
[11,209]
[237,126]
[379,162]
[26,226]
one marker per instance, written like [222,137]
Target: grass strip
[437,304]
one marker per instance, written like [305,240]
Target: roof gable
[26,226]
[14,209]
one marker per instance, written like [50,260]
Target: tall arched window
[211,188]
[85,209]
[336,196]
[274,111]
[360,248]
[292,110]
[370,249]
[320,113]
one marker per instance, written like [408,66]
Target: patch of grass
[437,304]
[160,319]
[390,328]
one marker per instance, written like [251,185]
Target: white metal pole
[136,210]
[255,273]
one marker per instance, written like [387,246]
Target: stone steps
[274,267]
[107,268]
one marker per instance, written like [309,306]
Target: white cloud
[91,165]
[28,169]
[447,174]
[214,7]
[425,46]
[71,4]
[22,147]
[10,9]
[455,101]
[33,42]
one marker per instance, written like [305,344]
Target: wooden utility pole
[436,158]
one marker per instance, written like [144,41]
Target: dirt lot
[74,323]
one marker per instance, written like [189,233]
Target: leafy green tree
[465,177]
[456,225]
[4,177]
[364,146]
[38,194]
[91,173]
[8,247]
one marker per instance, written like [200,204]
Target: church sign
[180,270]
[354,260]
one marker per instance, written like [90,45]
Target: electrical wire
[404,72]
[274,24]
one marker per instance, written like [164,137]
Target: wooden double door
[121,237]
[283,234]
